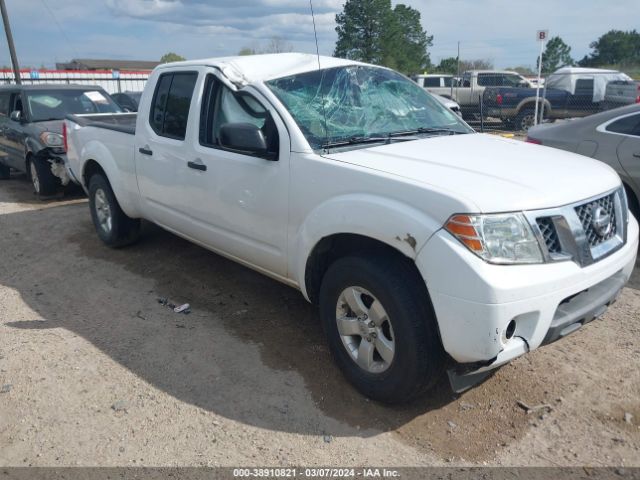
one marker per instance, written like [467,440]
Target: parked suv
[31,129]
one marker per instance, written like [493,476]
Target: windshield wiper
[386,139]
[448,131]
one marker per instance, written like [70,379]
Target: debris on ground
[628,418]
[6,388]
[451,424]
[536,408]
[466,406]
[120,406]
[327,438]
[184,308]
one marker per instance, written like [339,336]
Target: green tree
[362,27]
[556,54]
[247,51]
[405,42]
[615,47]
[171,57]
[371,31]
[448,65]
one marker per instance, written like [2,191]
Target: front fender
[394,223]
[121,175]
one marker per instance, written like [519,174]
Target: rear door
[161,149]
[628,128]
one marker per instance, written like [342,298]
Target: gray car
[31,118]
[612,137]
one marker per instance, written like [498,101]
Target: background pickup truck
[620,93]
[470,88]
[427,247]
[31,119]
[568,93]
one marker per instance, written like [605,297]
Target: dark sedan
[612,137]
[31,118]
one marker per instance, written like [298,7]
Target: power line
[55,20]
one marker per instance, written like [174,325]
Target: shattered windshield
[360,102]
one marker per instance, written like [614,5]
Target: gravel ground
[93,371]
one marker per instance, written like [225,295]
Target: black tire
[119,230]
[43,181]
[5,172]
[418,358]
[524,120]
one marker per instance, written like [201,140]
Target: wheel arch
[339,245]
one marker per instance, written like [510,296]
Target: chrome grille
[585,215]
[549,234]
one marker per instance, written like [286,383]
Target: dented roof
[243,70]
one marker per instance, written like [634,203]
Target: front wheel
[380,327]
[524,120]
[112,225]
[43,181]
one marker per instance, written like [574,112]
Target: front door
[242,199]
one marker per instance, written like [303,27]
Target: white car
[426,245]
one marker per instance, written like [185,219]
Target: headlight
[52,139]
[504,238]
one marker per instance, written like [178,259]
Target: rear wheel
[43,181]
[524,120]
[380,327]
[5,172]
[112,225]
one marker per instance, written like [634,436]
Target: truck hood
[492,173]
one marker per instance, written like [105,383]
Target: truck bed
[119,122]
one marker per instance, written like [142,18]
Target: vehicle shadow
[252,349]
[18,188]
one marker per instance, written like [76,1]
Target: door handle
[145,151]
[637,154]
[197,166]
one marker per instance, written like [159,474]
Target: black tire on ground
[43,180]
[418,359]
[524,120]
[5,172]
[112,225]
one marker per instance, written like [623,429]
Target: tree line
[372,31]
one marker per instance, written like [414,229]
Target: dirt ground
[94,371]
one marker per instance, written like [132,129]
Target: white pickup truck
[427,246]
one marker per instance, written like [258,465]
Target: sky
[503,31]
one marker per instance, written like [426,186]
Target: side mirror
[16,116]
[245,138]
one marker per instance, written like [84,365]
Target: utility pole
[12,48]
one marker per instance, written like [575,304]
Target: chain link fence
[505,102]
[112,81]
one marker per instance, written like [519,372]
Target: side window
[466,81]
[222,106]
[628,125]
[432,82]
[4,104]
[489,80]
[170,107]
[447,81]
[584,87]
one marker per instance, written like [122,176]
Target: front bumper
[475,301]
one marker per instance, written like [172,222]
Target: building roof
[242,70]
[96,64]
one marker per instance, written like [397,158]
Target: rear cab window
[169,110]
